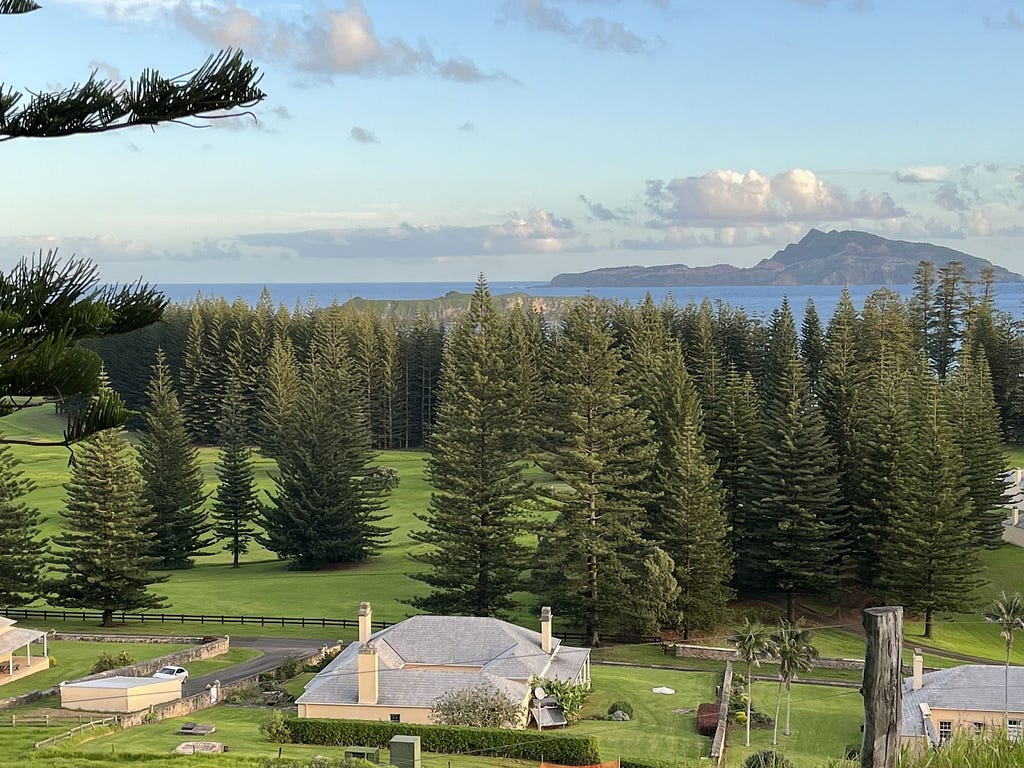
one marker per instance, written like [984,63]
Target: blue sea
[758,301]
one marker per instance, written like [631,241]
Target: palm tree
[796,654]
[1008,613]
[752,642]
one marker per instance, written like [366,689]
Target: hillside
[820,258]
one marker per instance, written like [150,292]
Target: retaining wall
[718,743]
[143,668]
[729,654]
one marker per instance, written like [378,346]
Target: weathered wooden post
[883,687]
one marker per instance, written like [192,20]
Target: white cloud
[594,32]
[729,198]
[324,41]
[363,136]
[922,174]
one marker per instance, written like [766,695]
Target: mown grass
[824,721]
[657,731]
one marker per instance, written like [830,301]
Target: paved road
[275,650]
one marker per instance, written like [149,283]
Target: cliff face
[820,258]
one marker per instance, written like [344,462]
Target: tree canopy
[225,81]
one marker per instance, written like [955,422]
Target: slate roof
[118,681]
[476,651]
[971,687]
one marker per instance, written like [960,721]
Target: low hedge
[491,742]
[707,719]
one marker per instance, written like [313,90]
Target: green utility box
[405,751]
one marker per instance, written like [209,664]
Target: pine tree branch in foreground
[17,6]
[226,81]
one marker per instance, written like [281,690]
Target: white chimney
[918,669]
[366,681]
[365,619]
[545,629]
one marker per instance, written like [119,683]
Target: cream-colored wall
[967,718]
[119,699]
[147,696]
[94,699]
[419,715]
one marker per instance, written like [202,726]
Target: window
[945,730]
[1013,729]
[395,718]
[979,728]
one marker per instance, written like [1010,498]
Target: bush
[244,695]
[621,706]
[480,707]
[571,696]
[707,719]
[493,742]
[852,752]
[768,758]
[325,659]
[290,667]
[105,661]
[381,479]
[275,729]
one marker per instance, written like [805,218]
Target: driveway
[275,650]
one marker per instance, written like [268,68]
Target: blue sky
[429,141]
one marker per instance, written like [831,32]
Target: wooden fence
[74,732]
[63,614]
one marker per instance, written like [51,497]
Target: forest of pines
[694,453]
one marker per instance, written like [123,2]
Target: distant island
[820,258]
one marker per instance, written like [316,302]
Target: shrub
[852,752]
[325,659]
[493,742]
[107,661]
[571,696]
[621,706]
[707,719]
[244,695]
[275,729]
[289,668]
[768,758]
[480,707]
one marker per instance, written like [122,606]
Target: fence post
[883,687]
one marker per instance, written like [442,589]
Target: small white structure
[118,694]
[1013,526]
[16,651]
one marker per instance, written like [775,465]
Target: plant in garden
[621,706]
[796,654]
[768,758]
[752,642]
[571,696]
[1008,613]
[480,707]
[275,729]
[107,661]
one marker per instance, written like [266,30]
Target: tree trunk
[750,699]
[1006,691]
[789,701]
[778,703]
[789,606]
[883,687]
[108,617]
[928,623]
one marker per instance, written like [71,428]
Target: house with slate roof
[397,673]
[966,698]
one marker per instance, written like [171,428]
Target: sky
[433,140]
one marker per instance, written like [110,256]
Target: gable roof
[459,652]
[971,687]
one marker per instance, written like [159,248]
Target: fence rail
[74,732]
[63,614]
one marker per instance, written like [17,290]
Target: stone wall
[187,706]
[143,668]
[729,654]
[718,742]
[89,637]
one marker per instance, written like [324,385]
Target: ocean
[758,301]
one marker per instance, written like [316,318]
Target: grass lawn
[657,731]
[75,659]
[824,721]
